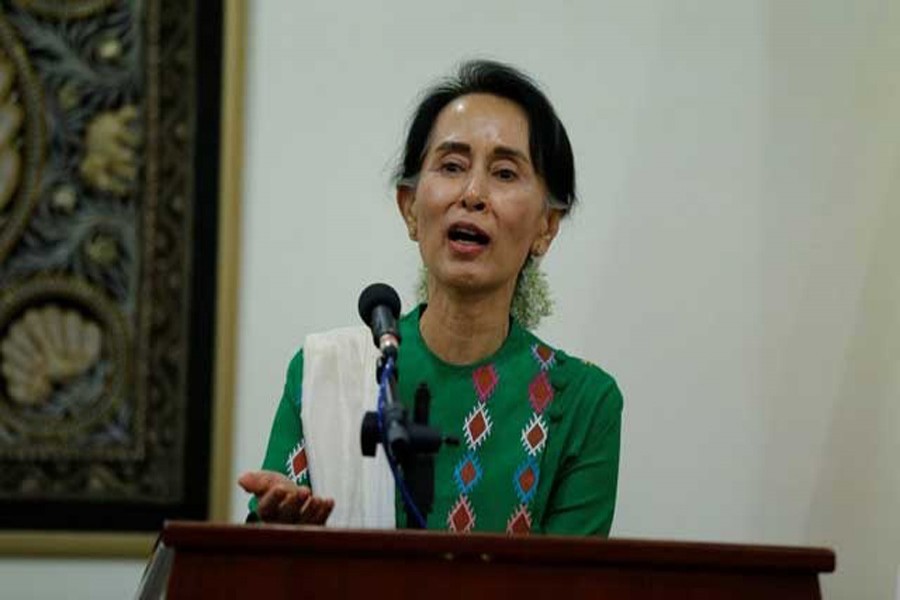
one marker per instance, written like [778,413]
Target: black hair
[551,152]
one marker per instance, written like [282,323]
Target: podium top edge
[617,552]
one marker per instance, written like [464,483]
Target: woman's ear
[548,233]
[406,199]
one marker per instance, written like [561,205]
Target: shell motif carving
[47,347]
[11,116]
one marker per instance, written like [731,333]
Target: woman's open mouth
[467,239]
[468,234]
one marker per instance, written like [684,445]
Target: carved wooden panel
[106,275]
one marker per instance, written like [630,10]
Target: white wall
[857,495]
[69,579]
[731,263]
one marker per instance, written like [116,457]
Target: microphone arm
[396,430]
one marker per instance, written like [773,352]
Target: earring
[413,232]
[538,250]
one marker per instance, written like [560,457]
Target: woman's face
[478,207]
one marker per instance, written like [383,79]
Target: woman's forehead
[481,121]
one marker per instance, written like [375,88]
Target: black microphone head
[378,294]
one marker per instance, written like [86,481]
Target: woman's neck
[462,330]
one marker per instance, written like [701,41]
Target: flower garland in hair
[531,300]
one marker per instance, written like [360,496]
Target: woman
[486,177]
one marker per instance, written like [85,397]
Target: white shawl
[338,388]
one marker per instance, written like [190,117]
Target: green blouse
[539,433]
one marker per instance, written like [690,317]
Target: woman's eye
[451,168]
[506,174]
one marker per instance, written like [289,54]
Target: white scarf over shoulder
[338,388]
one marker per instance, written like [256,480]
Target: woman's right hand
[280,500]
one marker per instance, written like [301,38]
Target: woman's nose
[475,194]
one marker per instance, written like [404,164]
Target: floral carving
[111,151]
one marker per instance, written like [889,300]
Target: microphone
[379,307]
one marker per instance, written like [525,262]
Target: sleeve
[285,452]
[584,496]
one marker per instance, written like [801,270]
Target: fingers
[316,510]
[250,481]
[283,503]
[323,510]
[280,500]
[290,509]
[259,482]
[271,490]
[268,504]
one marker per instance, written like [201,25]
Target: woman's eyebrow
[497,152]
[450,146]
[507,152]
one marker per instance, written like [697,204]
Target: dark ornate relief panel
[105,272]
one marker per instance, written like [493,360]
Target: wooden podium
[266,562]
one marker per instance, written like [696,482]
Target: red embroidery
[468,473]
[485,380]
[540,392]
[477,427]
[527,480]
[297,463]
[520,522]
[461,518]
[534,435]
[545,356]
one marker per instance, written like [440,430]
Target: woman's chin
[467,281]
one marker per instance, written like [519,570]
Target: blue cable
[392,462]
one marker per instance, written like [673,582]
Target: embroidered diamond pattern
[467,473]
[545,356]
[461,518]
[477,427]
[520,522]
[485,379]
[296,463]
[540,392]
[526,480]
[534,436]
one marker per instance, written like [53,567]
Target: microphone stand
[412,444]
